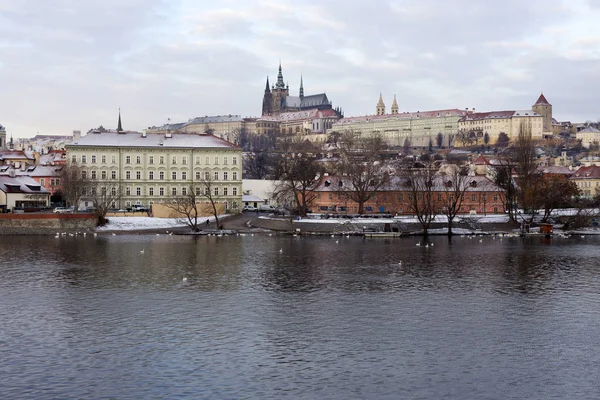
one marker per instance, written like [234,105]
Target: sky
[71,64]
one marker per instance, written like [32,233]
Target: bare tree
[454,182]
[296,175]
[503,178]
[419,183]
[104,196]
[187,204]
[528,178]
[75,182]
[363,164]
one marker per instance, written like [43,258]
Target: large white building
[149,168]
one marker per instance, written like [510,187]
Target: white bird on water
[337,241]
[281,250]
[184,279]
[142,251]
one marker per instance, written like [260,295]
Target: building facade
[415,129]
[2,137]
[227,127]
[474,126]
[589,136]
[150,168]
[587,180]
[309,125]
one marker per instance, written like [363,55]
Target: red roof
[481,160]
[592,172]
[541,101]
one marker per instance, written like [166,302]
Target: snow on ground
[137,223]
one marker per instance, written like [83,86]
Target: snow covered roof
[21,184]
[157,140]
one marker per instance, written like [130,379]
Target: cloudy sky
[70,64]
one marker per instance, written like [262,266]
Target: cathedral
[277,99]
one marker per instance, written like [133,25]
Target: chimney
[11,172]
[76,136]
[36,156]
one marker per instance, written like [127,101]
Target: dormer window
[473,183]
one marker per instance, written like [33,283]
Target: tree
[406,146]
[455,182]
[104,196]
[74,183]
[503,178]
[259,165]
[556,191]
[419,183]
[363,163]
[528,178]
[430,146]
[296,175]
[486,139]
[502,140]
[440,140]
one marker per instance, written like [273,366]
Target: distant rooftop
[137,139]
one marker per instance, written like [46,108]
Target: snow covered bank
[140,223]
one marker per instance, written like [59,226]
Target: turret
[380,108]
[395,106]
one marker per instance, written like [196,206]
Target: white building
[149,168]
[589,136]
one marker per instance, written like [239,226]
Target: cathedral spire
[395,106]
[267,89]
[301,88]
[380,108]
[119,126]
[280,84]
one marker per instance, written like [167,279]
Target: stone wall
[45,224]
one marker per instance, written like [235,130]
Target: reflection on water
[139,316]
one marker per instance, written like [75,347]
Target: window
[197,160]
[161,160]
[495,197]
[234,191]
[138,160]
[127,174]
[206,175]
[114,159]
[234,160]
[225,176]
[216,160]
[151,160]
[183,175]
[197,191]
[161,191]
[103,158]
[83,159]
[473,197]
[184,160]
[151,191]
[174,160]
[103,174]
[138,175]
[216,175]
[151,175]
[174,191]
[43,181]
[74,158]
[113,174]
[206,191]
[224,160]
[439,197]
[198,175]
[138,191]
[234,174]
[184,191]
[174,175]
[216,191]
[224,191]
[83,174]
[113,191]
[93,159]
[128,160]
[161,175]
[207,160]
[128,191]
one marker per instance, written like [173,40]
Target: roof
[453,112]
[21,184]
[300,115]
[15,155]
[481,160]
[541,101]
[592,172]
[214,119]
[157,140]
[556,170]
[33,171]
[589,129]
[251,197]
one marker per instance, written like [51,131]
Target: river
[261,317]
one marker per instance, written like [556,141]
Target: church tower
[267,106]
[2,138]
[280,93]
[544,108]
[301,88]
[119,125]
[395,106]
[380,108]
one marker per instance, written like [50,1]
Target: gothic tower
[301,88]
[2,138]
[280,93]
[380,108]
[119,125]
[544,108]
[395,106]
[267,107]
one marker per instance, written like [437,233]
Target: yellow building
[476,125]
[397,129]
[587,180]
[589,137]
[149,168]
[305,124]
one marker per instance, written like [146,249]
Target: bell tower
[544,108]
[380,108]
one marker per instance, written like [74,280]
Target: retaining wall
[45,224]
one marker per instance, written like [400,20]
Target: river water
[152,317]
